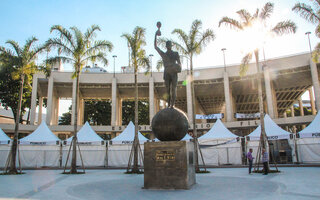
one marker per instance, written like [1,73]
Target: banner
[211,116]
[246,116]
[223,143]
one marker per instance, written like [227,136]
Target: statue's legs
[167,83]
[174,83]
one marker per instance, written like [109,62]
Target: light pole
[150,57]
[114,65]
[224,59]
[308,34]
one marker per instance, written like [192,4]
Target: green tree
[139,59]
[9,90]
[190,45]
[246,21]
[22,60]
[312,15]
[97,112]
[128,111]
[78,49]
[66,117]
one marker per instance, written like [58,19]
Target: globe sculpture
[170,124]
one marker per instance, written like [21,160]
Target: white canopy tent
[4,139]
[273,132]
[308,143]
[187,137]
[92,146]
[4,148]
[220,146]
[40,149]
[127,136]
[120,147]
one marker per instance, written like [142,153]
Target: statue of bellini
[172,66]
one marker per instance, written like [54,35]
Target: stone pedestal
[169,165]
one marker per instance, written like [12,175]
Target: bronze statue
[172,66]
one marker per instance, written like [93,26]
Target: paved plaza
[222,183]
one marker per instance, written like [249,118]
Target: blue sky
[22,19]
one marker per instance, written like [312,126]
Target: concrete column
[313,107]
[301,107]
[189,101]
[119,111]
[315,83]
[285,116]
[228,98]
[114,102]
[151,99]
[301,111]
[55,110]
[292,111]
[269,93]
[34,99]
[292,115]
[40,110]
[49,101]
[157,105]
[74,94]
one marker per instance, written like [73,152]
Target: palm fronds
[307,12]
[232,23]
[285,27]
[245,64]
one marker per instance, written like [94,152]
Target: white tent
[187,137]
[4,139]
[4,148]
[40,148]
[313,129]
[273,132]
[120,147]
[127,136]
[92,146]
[220,146]
[308,143]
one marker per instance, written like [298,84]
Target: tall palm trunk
[75,127]
[259,79]
[13,168]
[136,121]
[195,133]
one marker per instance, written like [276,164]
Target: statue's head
[169,45]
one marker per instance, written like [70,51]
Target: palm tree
[78,49]
[23,62]
[193,44]
[312,15]
[248,20]
[136,42]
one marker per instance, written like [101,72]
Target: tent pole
[84,171]
[107,158]
[204,164]
[65,166]
[130,159]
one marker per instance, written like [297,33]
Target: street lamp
[150,56]
[114,65]
[308,34]
[224,59]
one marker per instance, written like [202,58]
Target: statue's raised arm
[158,33]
